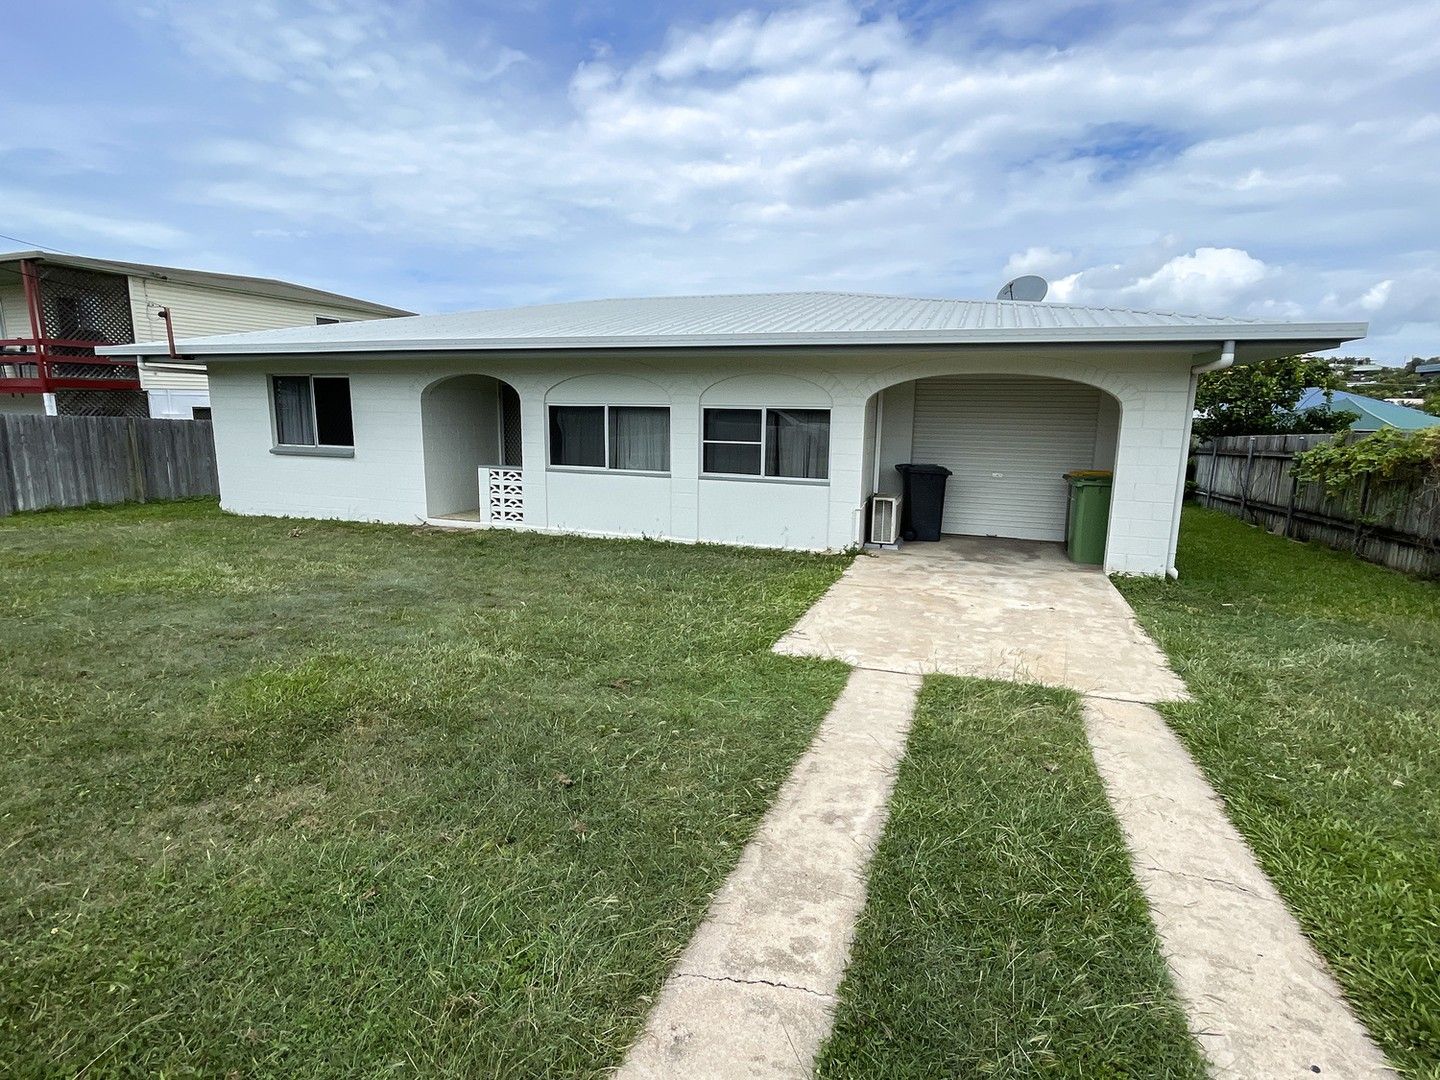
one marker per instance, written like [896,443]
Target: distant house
[1429,370]
[765,419]
[54,310]
[1372,413]
[1359,374]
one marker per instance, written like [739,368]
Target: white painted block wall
[385,480]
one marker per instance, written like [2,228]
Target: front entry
[1008,440]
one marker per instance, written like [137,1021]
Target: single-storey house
[750,419]
[1371,414]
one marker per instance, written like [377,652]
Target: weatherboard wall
[200,310]
[14,315]
[385,479]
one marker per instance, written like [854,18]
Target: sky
[1271,159]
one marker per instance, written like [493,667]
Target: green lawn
[1317,717]
[303,799]
[1004,935]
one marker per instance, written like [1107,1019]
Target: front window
[782,443]
[632,438]
[313,410]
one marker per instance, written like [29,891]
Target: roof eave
[1312,335]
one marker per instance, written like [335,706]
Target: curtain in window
[797,443]
[640,438]
[577,435]
[294,421]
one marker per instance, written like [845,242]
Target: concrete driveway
[1014,610]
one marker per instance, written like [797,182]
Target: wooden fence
[57,461]
[1397,524]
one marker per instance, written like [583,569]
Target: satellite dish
[1029,287]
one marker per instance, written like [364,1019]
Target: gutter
[256,343]
[1227,360]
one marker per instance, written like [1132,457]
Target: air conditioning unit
[885,520]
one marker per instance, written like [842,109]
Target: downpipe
[1227,360]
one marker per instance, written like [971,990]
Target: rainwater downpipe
[1227,359]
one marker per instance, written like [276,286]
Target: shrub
[1388,454]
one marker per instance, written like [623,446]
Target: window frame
[317,448]
[762,476]
[605,408]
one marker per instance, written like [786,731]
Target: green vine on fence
[1387,454]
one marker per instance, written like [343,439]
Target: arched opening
[1007,440]
[468,422]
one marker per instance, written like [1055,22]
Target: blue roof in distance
[1374,414]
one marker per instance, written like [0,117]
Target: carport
[1007,440]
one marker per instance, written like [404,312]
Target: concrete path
[1260,999]
[753,995]
[1012,610]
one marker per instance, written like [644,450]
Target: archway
[1007,440]
[468,422]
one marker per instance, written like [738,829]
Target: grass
[1004,935]
[1317,717]
[322,799]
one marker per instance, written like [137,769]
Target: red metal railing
[40,365]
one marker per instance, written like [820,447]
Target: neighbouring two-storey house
[55,309]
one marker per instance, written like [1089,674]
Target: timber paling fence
[47,462]
[1393,523]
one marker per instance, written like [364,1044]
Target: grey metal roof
[259,286]
[796,318]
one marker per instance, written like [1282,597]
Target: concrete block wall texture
[385,480]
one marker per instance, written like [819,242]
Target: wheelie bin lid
[1090,477]
[924,470]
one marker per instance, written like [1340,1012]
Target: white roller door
[1007,440]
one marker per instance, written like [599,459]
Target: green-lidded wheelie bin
[1089,516]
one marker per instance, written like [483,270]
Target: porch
[51,320]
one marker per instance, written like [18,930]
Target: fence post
[137,466]
[1214,468]
[1245,483]
[1290,507]
[1302,443]
[8,496]
[1360,512]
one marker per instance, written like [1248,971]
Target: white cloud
[1207,279]
[1375,296]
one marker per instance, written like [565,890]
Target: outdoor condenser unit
[884,519]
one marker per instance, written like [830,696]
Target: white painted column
[847,468]
[685,461]
[1142,499]
[533,451]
